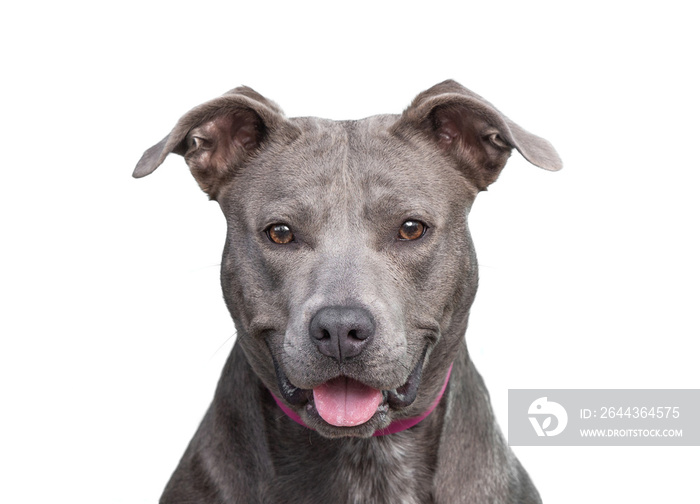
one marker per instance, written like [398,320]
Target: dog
[349,272]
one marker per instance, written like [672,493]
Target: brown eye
[280,234]
[412,230]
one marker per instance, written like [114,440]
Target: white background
[112,323]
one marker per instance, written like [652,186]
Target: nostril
[341,332]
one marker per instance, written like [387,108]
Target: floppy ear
[219,136]
[467,127]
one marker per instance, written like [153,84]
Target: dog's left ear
[474,132]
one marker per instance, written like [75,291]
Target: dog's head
[348,267]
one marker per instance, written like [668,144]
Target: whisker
[226,341]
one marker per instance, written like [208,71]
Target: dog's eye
[280,234]
[412,230]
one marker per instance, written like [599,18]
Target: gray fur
[345,188]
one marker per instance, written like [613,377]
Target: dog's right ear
[217,137]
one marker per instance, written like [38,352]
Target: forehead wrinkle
[343,184]
[289,209]
[393,184]
[318,196]
[335,183]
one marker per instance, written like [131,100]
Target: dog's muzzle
[346,402]
[395,426]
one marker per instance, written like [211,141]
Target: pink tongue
[344,402]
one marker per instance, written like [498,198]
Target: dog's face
[348,228]
[348,267]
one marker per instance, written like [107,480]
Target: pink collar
[394,427]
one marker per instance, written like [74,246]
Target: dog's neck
[394,427]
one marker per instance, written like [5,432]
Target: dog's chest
[380,470]
[386,472]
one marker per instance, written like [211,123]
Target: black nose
[341,332]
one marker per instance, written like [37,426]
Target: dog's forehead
[360,164]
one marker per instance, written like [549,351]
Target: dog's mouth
[346,402]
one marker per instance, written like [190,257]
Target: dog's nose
[341,332]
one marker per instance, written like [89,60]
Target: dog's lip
[404,395]
[400,397]
[293,395]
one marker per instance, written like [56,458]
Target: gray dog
[349,272]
